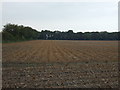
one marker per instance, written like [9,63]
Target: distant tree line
[13,32]
[70,35]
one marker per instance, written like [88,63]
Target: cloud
[62,16]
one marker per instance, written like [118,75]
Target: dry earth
[60,63]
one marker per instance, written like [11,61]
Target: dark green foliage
[12,32]
[6,36]
[70,35]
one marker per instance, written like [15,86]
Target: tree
[14,32]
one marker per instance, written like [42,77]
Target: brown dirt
[60,63]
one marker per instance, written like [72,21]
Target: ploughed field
[60,63]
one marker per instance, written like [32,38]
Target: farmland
[60,63]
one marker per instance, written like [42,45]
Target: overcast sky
[63,16]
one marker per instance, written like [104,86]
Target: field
[60,63]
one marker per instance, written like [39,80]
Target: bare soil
[60,63]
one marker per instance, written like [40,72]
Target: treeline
[70,35]
[13,32]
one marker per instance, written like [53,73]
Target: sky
[62,16]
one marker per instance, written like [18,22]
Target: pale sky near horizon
[63,16]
